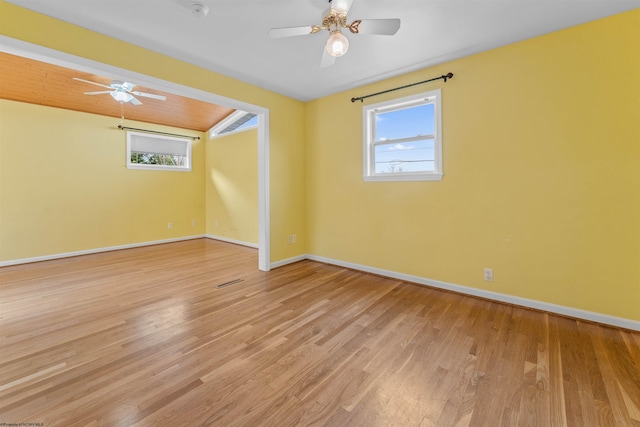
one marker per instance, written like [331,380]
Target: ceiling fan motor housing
[199,9]
[333,19]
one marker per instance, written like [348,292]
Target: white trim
[40,53]
[494,296]
[418,176]
[131,142]
[96,250]
[234,241]
[264,213]
[289,261]
[369,118]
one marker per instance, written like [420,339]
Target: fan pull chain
[121,114]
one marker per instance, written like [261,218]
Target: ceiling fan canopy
[333,21]
[121,91]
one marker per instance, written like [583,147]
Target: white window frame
[369,114]
[187,141]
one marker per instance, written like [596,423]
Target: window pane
[405,123]
[243,122]
[157,159]
[415,156]
[149,151]
[253,121]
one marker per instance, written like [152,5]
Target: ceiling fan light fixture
[338,44]
[121,96]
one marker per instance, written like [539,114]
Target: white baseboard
[235,242]
[494,296]
[95,251]
[289,261]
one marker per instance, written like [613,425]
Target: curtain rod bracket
[443,77]
[157,132]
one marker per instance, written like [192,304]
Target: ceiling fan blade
[93,83]
[150,95]
[275,33]
[385,27]
[135,101]
[327,60]
[341,5]
[97,93]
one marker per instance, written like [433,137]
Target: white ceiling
[233,38]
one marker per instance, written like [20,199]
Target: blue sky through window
[252,122]
[412,156]
[405,123]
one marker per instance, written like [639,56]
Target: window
[237,121]
[402,139]
[147,151]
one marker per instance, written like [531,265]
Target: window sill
[158,168]
[403,177]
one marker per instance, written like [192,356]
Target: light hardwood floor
[145,337]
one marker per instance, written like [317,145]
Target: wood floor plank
[146,337]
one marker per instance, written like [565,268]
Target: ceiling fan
[121,91]
[333,20]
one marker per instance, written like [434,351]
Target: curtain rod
[362,98]
[157,133]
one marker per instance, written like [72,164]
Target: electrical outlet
[294,238]
[488,274]
[194,223]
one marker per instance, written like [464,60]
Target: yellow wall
[541,168]
[65,186]
[286,114]
[541,174]
[232,186]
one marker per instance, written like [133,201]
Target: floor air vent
[232,282]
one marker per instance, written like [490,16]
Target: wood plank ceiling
[35,82]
